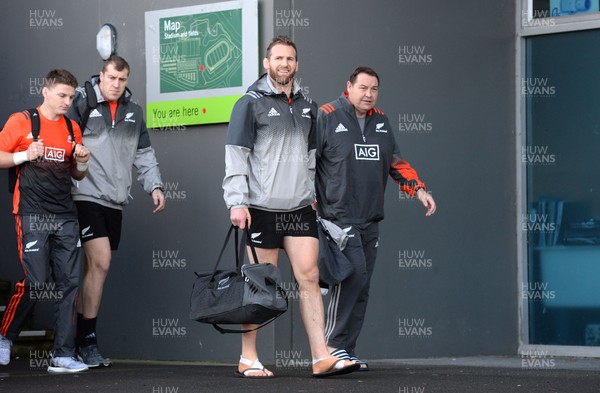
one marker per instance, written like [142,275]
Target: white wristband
[82,166]
[20,157]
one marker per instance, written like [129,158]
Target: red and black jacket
[353,166]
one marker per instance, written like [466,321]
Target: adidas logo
[341,128]
[95,113]
[378,128]
[273,112]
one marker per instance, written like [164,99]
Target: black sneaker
[91,357]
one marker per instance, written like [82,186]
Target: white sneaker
[5,345]
[66,365]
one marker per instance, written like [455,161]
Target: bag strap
[246,235]
[35,123]
[34,117]
[70,127]
[91,103]
[239,252]
[231,229]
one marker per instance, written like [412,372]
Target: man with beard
[269,186]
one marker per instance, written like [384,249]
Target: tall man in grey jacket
[268,184]
[117,137]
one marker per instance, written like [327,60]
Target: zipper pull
[113,124]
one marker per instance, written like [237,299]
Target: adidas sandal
[333,366]
[363,366]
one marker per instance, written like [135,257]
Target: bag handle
[239,252]
[242,243]
[237,257]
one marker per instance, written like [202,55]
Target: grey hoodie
[270,150]
[115,149]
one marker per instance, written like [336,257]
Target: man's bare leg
[303,253]
[249,339]
[97,263]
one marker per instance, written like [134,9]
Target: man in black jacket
[356,151]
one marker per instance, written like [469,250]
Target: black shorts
[97,221]
[269,228]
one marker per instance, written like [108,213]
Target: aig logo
[366,152]
[54,154]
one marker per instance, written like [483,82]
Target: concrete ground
[460,375]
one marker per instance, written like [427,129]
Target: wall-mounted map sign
[199,61]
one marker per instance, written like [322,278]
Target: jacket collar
[265,85]
[347,106]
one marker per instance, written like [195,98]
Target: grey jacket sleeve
[240,142]
[147,169]
[312,163]
[235,183]
[146,164]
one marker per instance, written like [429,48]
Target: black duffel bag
[248,294]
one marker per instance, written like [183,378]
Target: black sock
[86,331]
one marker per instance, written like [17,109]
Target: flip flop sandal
[255,366]
[335,366]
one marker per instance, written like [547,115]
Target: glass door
[561,159]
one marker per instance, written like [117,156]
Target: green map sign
[201,51]
[198,60]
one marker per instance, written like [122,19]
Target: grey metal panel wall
[446,69]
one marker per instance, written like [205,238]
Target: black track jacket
[352,168]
